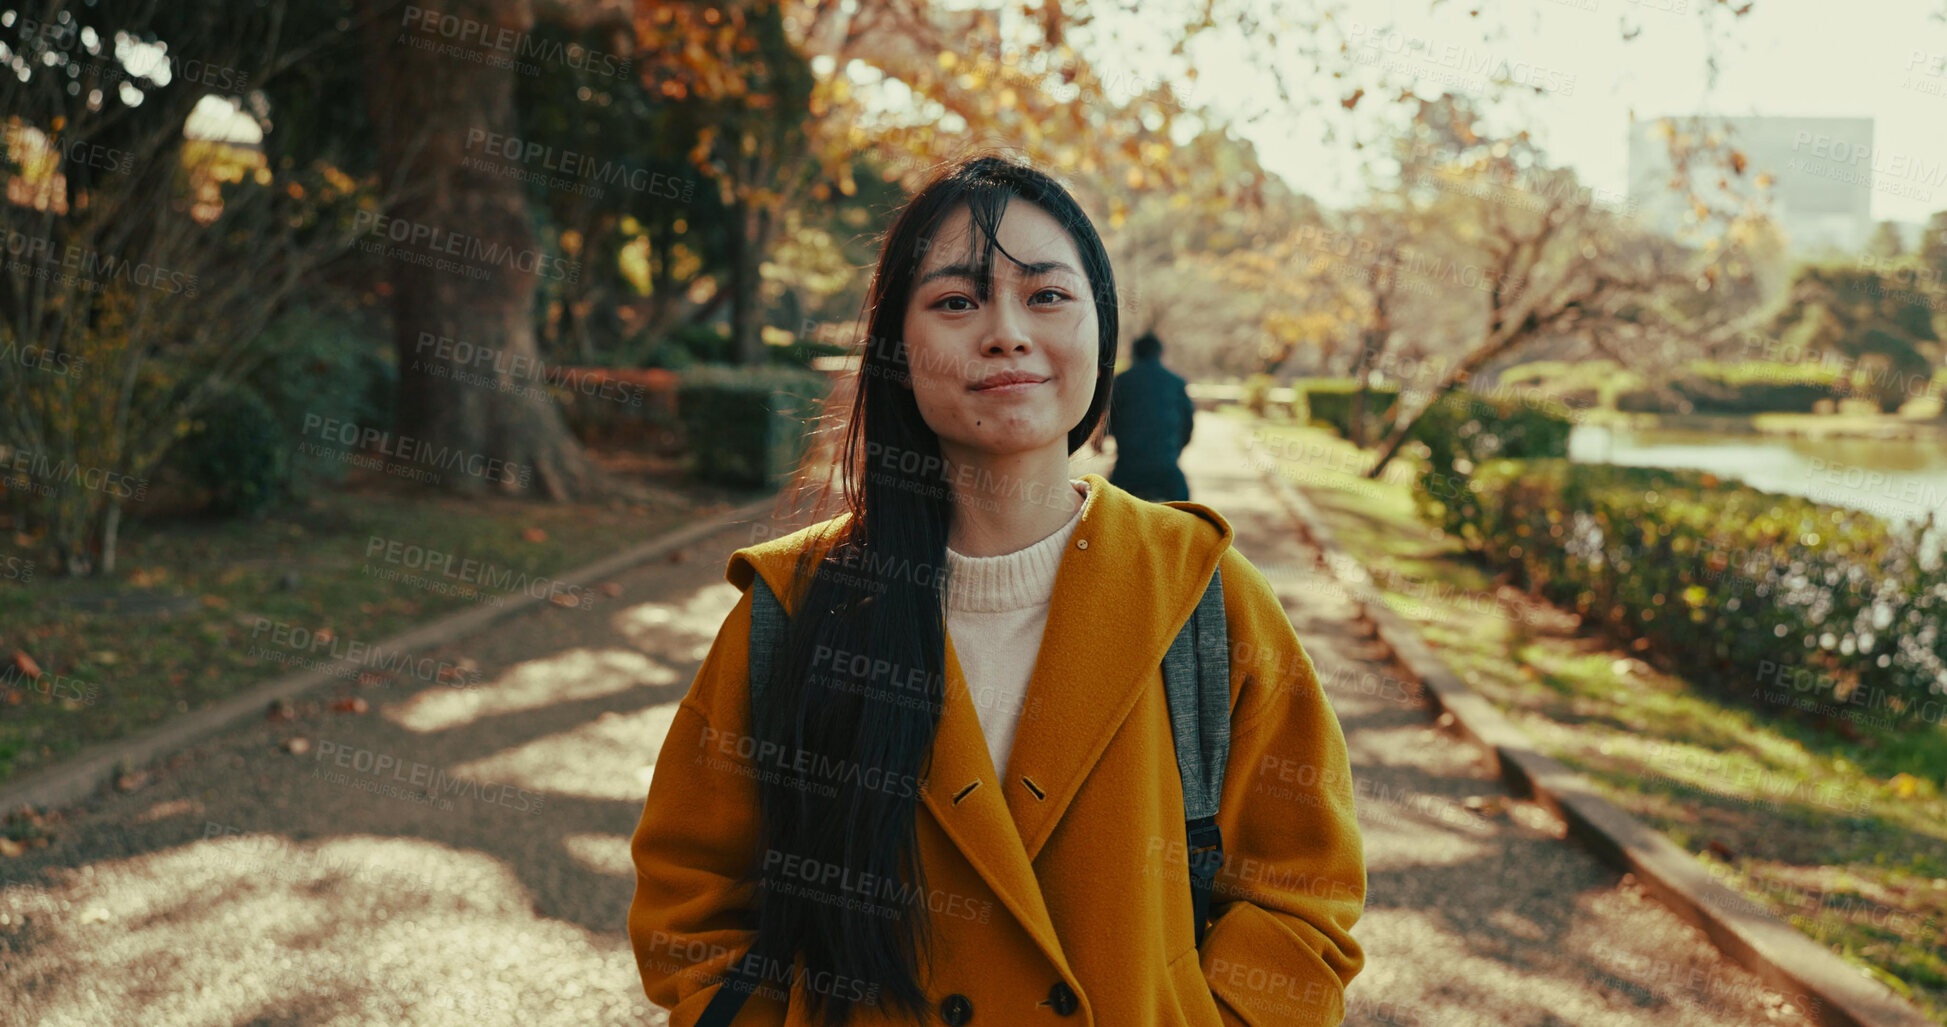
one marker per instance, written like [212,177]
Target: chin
[1012,442]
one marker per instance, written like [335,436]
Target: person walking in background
[1150,415]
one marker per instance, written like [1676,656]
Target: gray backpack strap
[767,628]
[1196,678]
[767,631]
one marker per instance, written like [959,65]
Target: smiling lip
[1008,381]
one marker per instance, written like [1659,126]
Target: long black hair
[855,698]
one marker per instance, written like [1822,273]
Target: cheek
[934,381]
[1081,357]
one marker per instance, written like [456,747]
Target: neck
[1004,504]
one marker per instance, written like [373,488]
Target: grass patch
[110,673]
[1844,837]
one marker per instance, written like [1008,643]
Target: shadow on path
[247,884]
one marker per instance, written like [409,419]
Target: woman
[975,609]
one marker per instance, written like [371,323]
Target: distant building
[1822,175]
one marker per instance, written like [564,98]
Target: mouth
[1009,383]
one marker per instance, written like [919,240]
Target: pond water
[1898,480]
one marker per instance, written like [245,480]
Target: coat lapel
[964,793]
[1128,581]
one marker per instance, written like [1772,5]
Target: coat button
[956,1010]
[1062,998]
[1081,543]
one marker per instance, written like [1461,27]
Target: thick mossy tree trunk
[461,254]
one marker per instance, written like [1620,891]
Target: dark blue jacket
[1150,417]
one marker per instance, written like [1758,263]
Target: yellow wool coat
[1058,890]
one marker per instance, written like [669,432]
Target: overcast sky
[1883,59]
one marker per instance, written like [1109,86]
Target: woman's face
[1037,323]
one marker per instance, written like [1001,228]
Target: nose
[1007,330]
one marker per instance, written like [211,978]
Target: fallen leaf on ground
[534,534]
[27,665]
[297,746]
[10,848]
[609,589]
[352,705]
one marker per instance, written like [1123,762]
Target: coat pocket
[1197,1007]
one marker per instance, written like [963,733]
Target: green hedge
[747,426]
[1330,402]
[1716,396]
[244,447]
[1464,430]
[1750,387]
[1766,596]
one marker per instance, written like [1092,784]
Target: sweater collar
[1011,581]
[1161,555]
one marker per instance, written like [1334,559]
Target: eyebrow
[966,271]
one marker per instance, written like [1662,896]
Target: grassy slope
[111,675]
[1827,833]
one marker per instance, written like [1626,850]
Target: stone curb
[1833,991]
[78,777]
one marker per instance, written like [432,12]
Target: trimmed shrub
[1463,430]
[747,426]
[1330,401]
[1803,605]
[1750,387]
[242,449]
[620,406]
[1715,396]
[236,450]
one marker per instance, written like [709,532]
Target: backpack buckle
[1206,845]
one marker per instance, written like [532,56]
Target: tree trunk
[746,257]
[1404,429]
[473,410]
[1461,373]
[1369,347]
[1380,280]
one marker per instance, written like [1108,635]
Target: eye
[1055,295]
[941,304]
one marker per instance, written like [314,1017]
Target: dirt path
[246,884]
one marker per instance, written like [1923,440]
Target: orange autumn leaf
[534,534]
[27,665]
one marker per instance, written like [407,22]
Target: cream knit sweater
[997,607]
